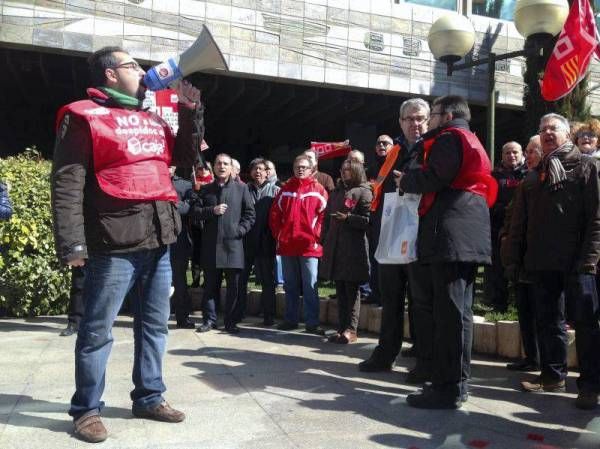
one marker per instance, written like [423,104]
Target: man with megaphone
[114,209]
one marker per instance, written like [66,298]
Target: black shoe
[287,326]
[416,377]
[587,400]
[205,327]
[186,324]
[409,352]
[428,398]
[523,365]
[69,330]
[374,366]
[232,329]
[317,330]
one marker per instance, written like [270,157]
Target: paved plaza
[266,389]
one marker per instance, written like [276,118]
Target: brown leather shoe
[90,429]
[537,385]
[161,412]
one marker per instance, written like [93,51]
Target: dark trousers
[555,291]
[264,266]
[494,282]
[348,298]
[181,300]
[375,294]
[211,294]
[393,285]
[421,314]
[526,311]
[76,299]
[452,325]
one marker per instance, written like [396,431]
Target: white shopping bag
[399,229]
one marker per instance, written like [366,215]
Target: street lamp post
[452,36]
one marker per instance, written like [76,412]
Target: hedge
[32,281]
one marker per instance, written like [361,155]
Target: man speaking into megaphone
[203,54]
[114,211]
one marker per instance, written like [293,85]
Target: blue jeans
[301,273]
[108,279]
[278,271]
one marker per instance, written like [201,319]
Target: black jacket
[457,227]
[557,230]
[259,241]
[86,219]
[222,236]
[185,192]
[508,179]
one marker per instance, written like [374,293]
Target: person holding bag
[394,277]
[346,224]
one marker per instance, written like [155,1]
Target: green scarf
[121,98]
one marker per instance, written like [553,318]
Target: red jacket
[296,217]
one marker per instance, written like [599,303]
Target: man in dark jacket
[259,244]
[181,252]
[115,212]
[555,232]
[226,208]
[394,278]
[508,174]
[454,237]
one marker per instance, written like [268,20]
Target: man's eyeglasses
[301,167]
[418,119]
[384,143]
[551,128]
[129,65]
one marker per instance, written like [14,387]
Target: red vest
[474,174]
[132,149]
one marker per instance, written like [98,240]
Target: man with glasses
[392,280]
[454,238]
[115,212]
[555,235]
[295,220]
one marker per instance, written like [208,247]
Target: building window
[444,4]
[498,9]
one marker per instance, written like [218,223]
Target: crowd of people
[127,223]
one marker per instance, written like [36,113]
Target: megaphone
[203,54]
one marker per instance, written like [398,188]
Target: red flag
[572,53]
[330,150]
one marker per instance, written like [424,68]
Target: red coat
[296,217]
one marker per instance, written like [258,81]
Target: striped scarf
[551,167]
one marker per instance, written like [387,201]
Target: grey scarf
[552,168]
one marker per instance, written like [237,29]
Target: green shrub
[32,281]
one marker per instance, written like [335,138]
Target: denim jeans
[108,279]
[301,273]
[278,271]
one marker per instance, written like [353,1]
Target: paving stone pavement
[266,389]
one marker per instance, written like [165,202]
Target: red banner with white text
[572,53]
[330,150]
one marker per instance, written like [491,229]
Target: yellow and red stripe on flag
[572,53]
